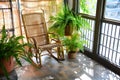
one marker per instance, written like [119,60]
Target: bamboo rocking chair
[37,34]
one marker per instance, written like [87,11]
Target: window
[112,9]
[105,34]
[88,7]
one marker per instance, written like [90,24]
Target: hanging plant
[67,19]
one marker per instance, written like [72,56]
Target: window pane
[5,15]
[88,7]
[112,9]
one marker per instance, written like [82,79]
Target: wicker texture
[36,33]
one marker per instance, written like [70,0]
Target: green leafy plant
[74,43]
[11,46]
[67,17]
[84,6]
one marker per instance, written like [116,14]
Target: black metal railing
[104,39]
[110,43]
[88,35]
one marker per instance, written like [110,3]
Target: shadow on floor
[81,68]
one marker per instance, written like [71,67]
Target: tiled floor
[81,68]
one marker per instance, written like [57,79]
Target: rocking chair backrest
[35,26]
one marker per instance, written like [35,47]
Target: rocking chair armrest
[57,40]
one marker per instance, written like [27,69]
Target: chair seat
[49,46]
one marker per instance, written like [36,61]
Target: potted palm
[73,44]
[67,21]
[11,50]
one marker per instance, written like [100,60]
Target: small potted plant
[73,44]
[12,50]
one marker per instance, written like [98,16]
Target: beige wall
[51,7]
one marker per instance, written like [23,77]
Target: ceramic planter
[9,65]
[72,55]
[68,30]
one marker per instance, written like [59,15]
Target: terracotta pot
[9,65]
[72,55]
[68,30]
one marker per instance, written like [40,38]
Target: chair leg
[60,53]
[40,63]
[37,56]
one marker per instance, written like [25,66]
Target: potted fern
[67,21]
[73,44]
[11,49]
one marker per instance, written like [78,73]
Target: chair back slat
[34,25]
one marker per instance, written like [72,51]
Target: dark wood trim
[98,23]
[8,30]
[73,5]
[115,22]
[87,16]
[103,8]
[11,11]
[65,2]
[77,6]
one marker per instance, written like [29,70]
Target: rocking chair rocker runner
[36,33]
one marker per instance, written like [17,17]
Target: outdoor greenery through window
[88,7]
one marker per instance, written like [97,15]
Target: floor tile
[81,68]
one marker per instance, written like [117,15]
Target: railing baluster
[106,49]
[103,28]
[118,52]
[110,43]
[113,52]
